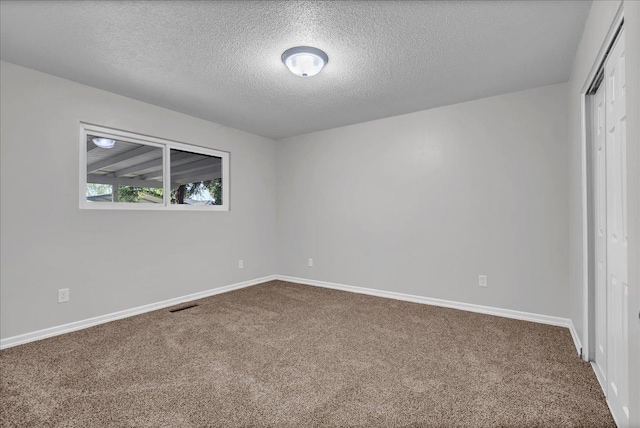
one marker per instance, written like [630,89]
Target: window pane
[122,171]
[196,179]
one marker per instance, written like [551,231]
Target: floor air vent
[182,308]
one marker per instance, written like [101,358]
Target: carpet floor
[286,355]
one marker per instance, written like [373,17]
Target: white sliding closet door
[616,233]
[600,233]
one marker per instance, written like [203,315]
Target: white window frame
[166,146]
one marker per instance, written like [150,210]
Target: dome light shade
[305,61]
[104,143]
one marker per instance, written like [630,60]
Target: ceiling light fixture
[305,61]
[104,143]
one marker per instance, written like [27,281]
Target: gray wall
[423,203]
[114,260]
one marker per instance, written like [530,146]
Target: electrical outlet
[310,262]
[63,295]
[240,264]
[482,280]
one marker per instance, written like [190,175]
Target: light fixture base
[305,61]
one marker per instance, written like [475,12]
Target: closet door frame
[595,82]
[587,347]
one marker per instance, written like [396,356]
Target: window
[122,170]
[196,178]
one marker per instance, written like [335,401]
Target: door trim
[588,283]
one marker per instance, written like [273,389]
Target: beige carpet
[287,355]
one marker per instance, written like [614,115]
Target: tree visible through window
[206,191]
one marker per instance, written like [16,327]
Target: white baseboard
[489,310]
[78,325]
[600,378]
[576,338]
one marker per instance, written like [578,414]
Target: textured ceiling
[221,60]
